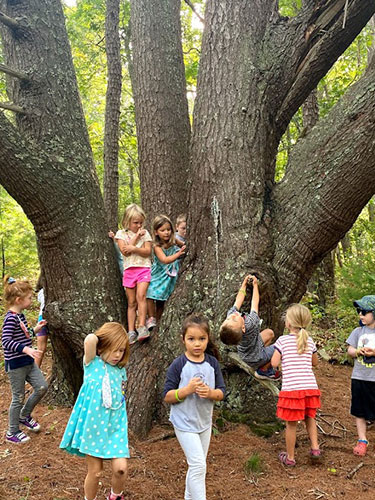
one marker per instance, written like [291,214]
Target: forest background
[351,264]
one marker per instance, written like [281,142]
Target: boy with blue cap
[362,348]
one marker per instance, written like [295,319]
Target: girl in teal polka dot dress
[98,426]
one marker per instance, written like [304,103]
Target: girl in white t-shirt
[299,397]
[135,244]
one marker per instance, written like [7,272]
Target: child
[120,260]
[181,228]
[362,348]
[20,360]
[135,244]
[299,397]
[42,335]
[164,268]
[243,330]
[98,426]
[194,381]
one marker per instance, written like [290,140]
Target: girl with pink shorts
[134,243]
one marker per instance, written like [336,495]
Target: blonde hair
[132,211]
[113,336]
[180,218]
[14,289]
[299,317]
[159,221]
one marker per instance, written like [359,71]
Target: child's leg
[132,308]
[290,438]
[119,473]
[195,447]
[94,468]
[141,302]
[40,386]
[41,343]
[361,428]
[312,431]
[151,308]
[17,380]
[267,336]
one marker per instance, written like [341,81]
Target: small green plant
[254,464]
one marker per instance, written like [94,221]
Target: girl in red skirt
[299,397]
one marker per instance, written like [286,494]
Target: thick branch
[13,72]
[316,39]
[330,179]
[12,107]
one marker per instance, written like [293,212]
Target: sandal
[283,457]
[315,454]
[360,449]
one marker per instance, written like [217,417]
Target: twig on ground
[353,471]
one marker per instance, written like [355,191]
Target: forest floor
[39,470]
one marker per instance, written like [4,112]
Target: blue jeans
[17,378]
[195,446]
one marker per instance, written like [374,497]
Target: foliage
[254,464]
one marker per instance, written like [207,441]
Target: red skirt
[297,405]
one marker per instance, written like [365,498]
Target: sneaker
[17,438]
[150,323]
[269,374]
[112,496]
[132,335]
[30,423]
[143,333]
[360,449]
[315,454]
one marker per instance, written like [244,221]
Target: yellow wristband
[241,290]
[177,398]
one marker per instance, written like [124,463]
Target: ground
[39,470]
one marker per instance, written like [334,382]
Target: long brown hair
[200,321]
[159,221]
[112,336]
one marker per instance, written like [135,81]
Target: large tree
[256,69]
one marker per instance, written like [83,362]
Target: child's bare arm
[143,251]
[90,344]
[242,292]
[314,359]
[170,258]
[255,297]
[276,359]
[353,352]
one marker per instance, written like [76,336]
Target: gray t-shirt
[251,347]
[364,367]
[194,414]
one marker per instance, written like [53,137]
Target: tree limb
[14,72]
[12,107]
[9,21]
[191,5]
[318,199]
[316,39]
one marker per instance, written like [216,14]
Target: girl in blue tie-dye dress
[98,426]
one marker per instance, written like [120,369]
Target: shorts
[363,399]
[297,405]
[134,275]
[265,355]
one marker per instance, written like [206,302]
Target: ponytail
[302,337]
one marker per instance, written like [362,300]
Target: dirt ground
[39,470]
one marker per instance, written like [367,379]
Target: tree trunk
[162,119]
[112,112]
[255,71]
[46,165]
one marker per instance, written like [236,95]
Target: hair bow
[11,280]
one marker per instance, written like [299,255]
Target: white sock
[117,494]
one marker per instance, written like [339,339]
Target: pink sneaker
[150,323]
[360,449]
[112,496]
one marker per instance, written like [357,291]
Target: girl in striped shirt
[299,397]
[20,359]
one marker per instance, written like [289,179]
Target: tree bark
[112,113]
[162,119]
[46,165]
[255,71]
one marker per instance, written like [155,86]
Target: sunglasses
[363,312]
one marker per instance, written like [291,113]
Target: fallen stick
[356,469]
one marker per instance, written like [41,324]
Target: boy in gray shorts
[243,329]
